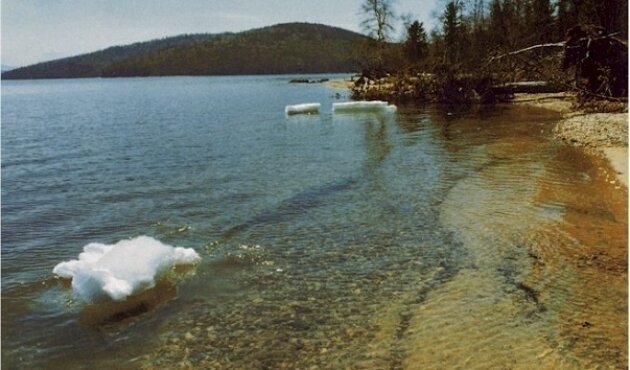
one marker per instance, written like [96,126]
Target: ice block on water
[306,108]
[376,106]
[114,272]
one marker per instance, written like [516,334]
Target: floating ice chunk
[90,255]
[185,256]
[391,108]
[105,272]
[353,106]
[306,108]
[376,106]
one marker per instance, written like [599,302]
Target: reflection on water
[409,241]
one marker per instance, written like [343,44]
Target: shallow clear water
[415,240]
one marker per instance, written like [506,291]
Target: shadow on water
[99,316]
[289,208]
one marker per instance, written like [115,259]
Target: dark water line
[287,209]
[447,270]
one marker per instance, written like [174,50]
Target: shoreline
[602,134]
[339,84]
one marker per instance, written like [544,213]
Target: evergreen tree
[611,15]
[451,27]
[497,32]
[416,43]
[567,17]
[541,22]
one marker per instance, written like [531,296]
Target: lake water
[421,239]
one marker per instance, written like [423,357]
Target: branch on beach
[529,48]
[598,62]
[601,96]
[560,44]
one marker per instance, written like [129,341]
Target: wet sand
[618,158]
[603,133]
[546,289]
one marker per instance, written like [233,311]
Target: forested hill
[282,48]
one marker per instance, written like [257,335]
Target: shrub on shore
[444,85]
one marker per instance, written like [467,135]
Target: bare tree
[378,18]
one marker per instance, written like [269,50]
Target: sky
[38,30]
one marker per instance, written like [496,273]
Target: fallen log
[529,87]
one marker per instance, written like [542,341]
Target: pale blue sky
[39,30]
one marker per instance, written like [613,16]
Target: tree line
[473,36]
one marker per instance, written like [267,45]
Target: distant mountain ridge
[278,49]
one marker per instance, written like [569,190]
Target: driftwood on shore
[600,63]
[529,87]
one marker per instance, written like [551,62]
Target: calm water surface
[423,239]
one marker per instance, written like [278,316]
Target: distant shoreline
[330,75]
[288,48]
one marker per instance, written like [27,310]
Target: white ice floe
[376,106]
[306,108]
[114,272]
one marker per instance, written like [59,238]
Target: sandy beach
[605,134]
[340,84]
